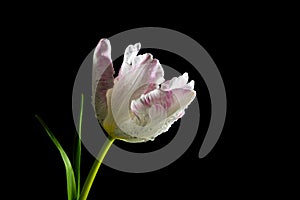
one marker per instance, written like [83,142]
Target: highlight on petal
[102,78]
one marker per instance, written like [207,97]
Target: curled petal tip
[130,53]
[191,84]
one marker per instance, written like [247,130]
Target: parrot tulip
[138,104]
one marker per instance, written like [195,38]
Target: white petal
[130,52]
[157,117]
[175,82]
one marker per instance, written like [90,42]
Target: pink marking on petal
[173,101]
[150,87]
[163,98]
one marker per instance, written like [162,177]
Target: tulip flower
[137,105]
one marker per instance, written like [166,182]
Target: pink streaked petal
[147,73]
[184,98]
[163,98]
[172,101]
[102,78]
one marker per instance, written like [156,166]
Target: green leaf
[71,185]
[77,152]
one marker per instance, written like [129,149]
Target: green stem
[92,174]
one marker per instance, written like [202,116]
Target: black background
[48,49]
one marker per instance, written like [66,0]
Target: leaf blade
[78,149]
[71,185]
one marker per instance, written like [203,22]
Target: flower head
[138,104]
